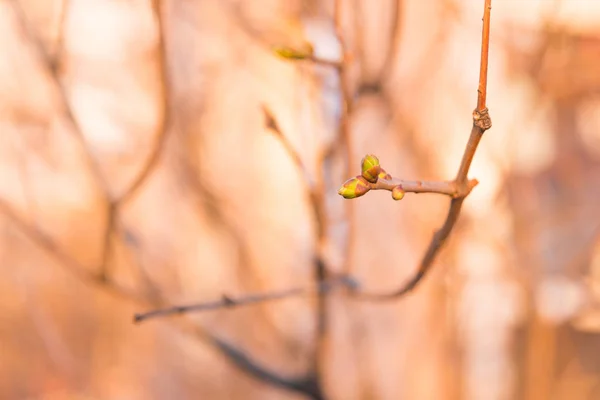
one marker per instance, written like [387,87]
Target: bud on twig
[290,53]
[398,193]
[354,187]
[370,168]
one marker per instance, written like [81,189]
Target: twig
[375,84]
[307,385]
[227,301]
[50,68]
[115,204]
[481,123]
[316,198]
[449,188]
[112,204]
[49,245]
[345,90]
[325,62]
[160,135]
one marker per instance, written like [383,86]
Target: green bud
[354,187]
[370,168]
[398,193]
[290,53]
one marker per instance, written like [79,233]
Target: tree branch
[238,358]
[481,123]
[227,301]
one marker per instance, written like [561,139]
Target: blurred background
[160,152]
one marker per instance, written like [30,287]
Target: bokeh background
[159,152]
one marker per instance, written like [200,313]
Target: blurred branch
[160,135]
[392,53]
[316,197]
[227,301]
[50,67]
[60,37]
[305,384]
[374,85]
[238,358]
[344,134]
[49,245]
[112,204]
[281,49]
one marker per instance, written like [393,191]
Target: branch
[375,84]
[227,301]
[50,67]
[112,204]
[163,125]
[462,186]
[307,385]
[316,198]
[284,51]
[238,358]
[73,266]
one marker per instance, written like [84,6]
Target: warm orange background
[89,89]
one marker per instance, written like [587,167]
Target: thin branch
[346,103]
[163,125]
[307,385]
[272,124]
[49,245]
[325,62]
[316,198]
[485,47]
[227,301]
[237,357]
[375,84]
[481,123]
[258,36]
[346,108]
[435,245]
[114,205]
[448,188]
[112,216]
[50,68]
[392,52]
[60,36]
